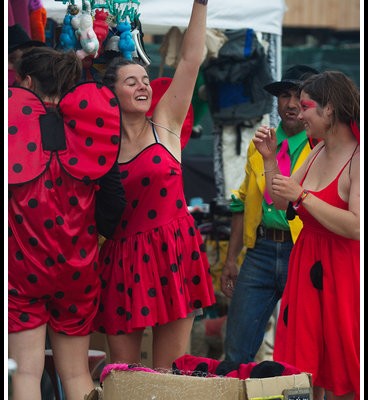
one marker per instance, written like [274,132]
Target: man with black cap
[265,232]
[18,40]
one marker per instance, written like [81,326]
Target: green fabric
[273,218]
[236,205]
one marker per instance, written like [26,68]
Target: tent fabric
[263,16]
[158,16]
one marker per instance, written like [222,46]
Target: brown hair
[339,90]
[53,72]
[111,72]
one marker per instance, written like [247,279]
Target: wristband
[300,199]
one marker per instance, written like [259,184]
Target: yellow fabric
[101,240]
[251,193]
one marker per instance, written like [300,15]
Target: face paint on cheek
[307,104]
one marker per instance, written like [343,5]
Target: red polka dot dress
[53,172]
[155,269]
[318,329]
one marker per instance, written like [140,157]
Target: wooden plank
[331,14]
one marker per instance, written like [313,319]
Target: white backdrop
[260,15]
[157,16]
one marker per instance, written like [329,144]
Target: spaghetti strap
[310,164]
[348,162]
[155,134]
[341,170]
[351,158]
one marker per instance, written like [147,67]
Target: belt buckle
[261,231]
[276,233]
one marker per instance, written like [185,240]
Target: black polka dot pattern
[39,284]
[12,130]
[49,184]
[316,275]
[145,181]
[33,241]
[285,315]
[49,262]
[152,214]
[162,272]
[191,231]
[24,317]
[91,126]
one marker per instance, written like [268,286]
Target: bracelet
[273,169]
[300,199]
[204,2]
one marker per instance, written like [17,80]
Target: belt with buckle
[277,235]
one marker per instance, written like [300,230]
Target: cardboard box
[268,387]
[137,385]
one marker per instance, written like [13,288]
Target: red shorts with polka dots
[65,297]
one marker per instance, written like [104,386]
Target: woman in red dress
[318,329]
[154,270]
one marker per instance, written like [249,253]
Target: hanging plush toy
[101,28]
[86,35]
[126,42]
[83,25]
[37,19]
[68,39]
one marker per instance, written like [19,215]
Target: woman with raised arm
[154,270]
[318,327]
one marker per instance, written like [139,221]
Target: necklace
[164,127]
[144,125]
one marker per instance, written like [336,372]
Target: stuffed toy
[87,37]
[67,38]
[37,19]
[101,28]
[126,43]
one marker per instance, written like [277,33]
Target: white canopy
[262,15]
[157,16]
